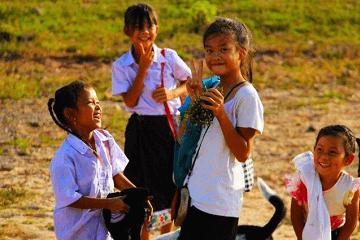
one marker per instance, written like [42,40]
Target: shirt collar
[77,144]
[82,147]
[158,57]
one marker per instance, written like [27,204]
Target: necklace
[227,95]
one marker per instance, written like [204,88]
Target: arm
[114,204]
[351,218]
[131,97]
[121,182]
[297,218]
[163,94]
[239,140]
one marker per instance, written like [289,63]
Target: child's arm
[163,94]
[121,182]
[239,140]
[114,204]
[351,218]
[131,97]
[297,218]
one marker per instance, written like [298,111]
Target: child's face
[222,55]
[145,36]
[89,112]
[330,156]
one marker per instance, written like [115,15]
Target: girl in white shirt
[325,198]
[87,166]
[217,181]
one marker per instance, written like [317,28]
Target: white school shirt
[217,182]
[124,71]
[76,172]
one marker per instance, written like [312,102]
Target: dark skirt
[149,146]
[201,225]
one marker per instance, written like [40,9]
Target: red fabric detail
[166,106]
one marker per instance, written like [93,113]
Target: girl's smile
[89,112]
[330,157]
[223,56]
[145,36]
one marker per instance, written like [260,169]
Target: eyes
[223,50]
[145,26]
[93,102]
[320,150]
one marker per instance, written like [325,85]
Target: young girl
[217,181]
[146,78]
[325,199]
[87,166]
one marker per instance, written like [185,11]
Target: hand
[214,100]
[150,209]
[162,94]
[146,58]
[117,205]
[194,85]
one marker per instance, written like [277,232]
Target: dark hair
[340,131]
[65,97]
[138,13]
[242,36]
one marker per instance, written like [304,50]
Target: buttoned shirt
[125,69]
[76,172]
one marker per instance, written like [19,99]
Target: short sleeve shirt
[217,182]
[76,172]
[125,69]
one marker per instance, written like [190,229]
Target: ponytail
[66,97]
[50,107]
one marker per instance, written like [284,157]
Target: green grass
[11,196]
[315,41]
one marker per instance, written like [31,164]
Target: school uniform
[149,143]
[76,172]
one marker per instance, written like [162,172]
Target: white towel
[317,225]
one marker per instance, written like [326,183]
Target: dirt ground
[290,129]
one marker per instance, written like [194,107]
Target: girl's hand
[214,102]
[194,85]
[146,58]
[150,209]
[117,205]
[162,94]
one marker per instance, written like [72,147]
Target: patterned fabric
[248,174]
[159,219]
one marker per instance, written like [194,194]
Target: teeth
[324,165]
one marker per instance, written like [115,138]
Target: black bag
[123,225]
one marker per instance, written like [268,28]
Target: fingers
[142,49]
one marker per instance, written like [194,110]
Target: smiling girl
[217,182]
[325,198]
[87,166]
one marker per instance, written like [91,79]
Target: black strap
[198,149]
[197,153]
[233,89]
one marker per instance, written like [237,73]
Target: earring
[74,121]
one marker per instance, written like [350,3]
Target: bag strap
[196,155]
[166,105]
